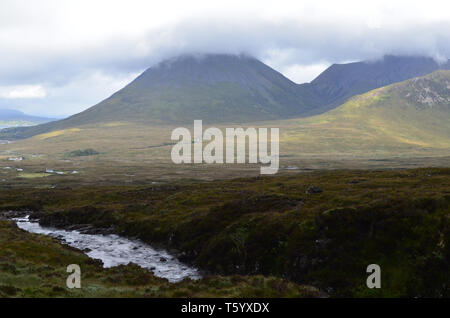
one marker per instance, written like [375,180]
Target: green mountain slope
[340,82]
[233,89]
[214,88]
[400,125]
[414,114]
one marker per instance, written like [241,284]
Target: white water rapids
[114,250]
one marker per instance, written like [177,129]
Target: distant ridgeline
[14,118]
[234,89]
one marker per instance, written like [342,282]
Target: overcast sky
[59,57]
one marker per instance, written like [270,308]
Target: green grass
[271,226]
[392,120]
[32,175]
[33,265]
[17,123]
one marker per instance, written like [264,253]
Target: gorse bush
[82,152]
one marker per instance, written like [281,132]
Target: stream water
[115,250]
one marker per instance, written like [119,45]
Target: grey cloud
[281,44]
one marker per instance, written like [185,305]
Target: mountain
[395,123]
[12,118]
[214,88]
[341,81]
[413,114]
[234,89]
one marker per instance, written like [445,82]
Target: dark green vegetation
[234,89]
[83,152]
[273,226]
[33,265]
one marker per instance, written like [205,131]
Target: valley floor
[138,154]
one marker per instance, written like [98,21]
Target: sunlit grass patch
[58,133]
[114,124]
[31,175]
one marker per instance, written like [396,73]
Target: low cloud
[21,92]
